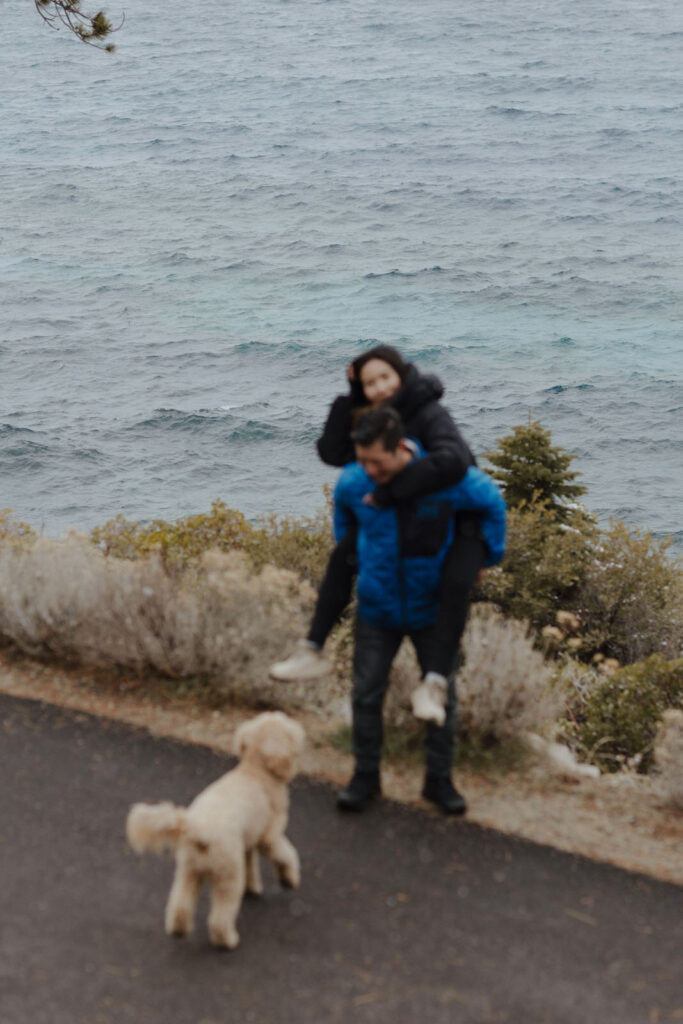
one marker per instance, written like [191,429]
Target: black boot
[360,790]
[441,791]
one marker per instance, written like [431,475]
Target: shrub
[543,567]
[532,471]
[301,545]
[504,685]
[619,717]
[178,543]
[621,583]
[13,530]
[631,596]
[218,620]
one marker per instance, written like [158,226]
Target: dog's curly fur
[219,836]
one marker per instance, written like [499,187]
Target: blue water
[200,230]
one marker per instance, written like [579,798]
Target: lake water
[200,230]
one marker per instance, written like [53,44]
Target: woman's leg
[308,660]
[464,562]
[335,590]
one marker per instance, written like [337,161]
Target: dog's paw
[223,938]
[289,876]
[178,924]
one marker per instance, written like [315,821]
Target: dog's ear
[241,738]
[297,734]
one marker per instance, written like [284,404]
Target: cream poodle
[219,836]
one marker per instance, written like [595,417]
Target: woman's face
[380,381]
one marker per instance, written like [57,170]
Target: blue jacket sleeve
[343,515]
[478,492]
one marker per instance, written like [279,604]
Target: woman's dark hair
[388,355]
[383,425]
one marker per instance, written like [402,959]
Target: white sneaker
[305,663]
[429,699]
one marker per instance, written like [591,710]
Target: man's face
[381,465]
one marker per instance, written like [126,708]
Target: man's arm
[343,514]
[446,461]
[478,492]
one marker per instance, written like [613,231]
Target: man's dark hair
[383,425]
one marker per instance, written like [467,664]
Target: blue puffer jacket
[402,549]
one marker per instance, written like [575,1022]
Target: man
[401,552]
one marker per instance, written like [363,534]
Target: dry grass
[505,686]
[219,619]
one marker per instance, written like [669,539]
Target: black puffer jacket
[425,419]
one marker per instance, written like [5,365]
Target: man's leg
[440,739]
[374,652]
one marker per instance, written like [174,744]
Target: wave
[404,273]
[9,430]
[557,389]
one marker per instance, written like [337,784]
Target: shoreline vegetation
[572,659]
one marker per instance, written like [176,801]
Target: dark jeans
[465,559]
[374,652]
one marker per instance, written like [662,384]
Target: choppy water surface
[199,231]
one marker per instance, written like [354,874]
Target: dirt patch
[621,820]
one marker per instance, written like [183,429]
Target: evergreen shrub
[544,565]
[619,719]
[621,582]
[631,596]
[533,471]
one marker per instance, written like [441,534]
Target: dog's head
[272,740]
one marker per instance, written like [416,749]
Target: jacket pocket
[424,528]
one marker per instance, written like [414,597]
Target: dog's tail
[155,827]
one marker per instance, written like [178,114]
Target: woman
[382,377]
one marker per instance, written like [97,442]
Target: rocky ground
[622,820]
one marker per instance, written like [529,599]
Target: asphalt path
[402,916]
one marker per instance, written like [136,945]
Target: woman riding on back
[381,377]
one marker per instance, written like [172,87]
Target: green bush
[543,567]
[532,471]
[620,582]
[631,596]
[301,545]
[178,543]
[12,530]
[619,718]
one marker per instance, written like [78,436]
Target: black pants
[463,563]
[374,652]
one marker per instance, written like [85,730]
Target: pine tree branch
[89,28]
